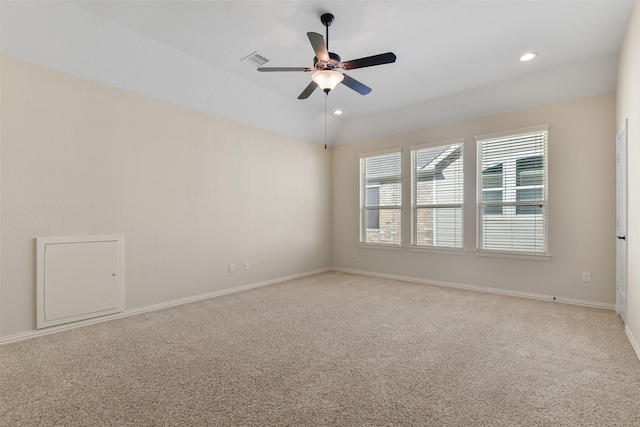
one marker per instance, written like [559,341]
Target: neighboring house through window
[492,188]
[529,184]
[373,199]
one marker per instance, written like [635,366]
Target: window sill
[380,246]
[514,255]
[438,250]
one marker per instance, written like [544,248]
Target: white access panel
[79,278]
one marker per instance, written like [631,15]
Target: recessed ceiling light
[527,57]
[337,112]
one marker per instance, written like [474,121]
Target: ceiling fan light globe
[327,79]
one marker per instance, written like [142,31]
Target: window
[512,191]
[437,195]
[380,198]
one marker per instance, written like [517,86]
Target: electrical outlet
[232,268]
[246,266]
[355,255]
[586,276]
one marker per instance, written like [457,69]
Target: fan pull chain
[326,95]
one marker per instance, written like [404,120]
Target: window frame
[509,188]
[363,207]
[447,144]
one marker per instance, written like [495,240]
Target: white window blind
[380,198]
[437,195]
[512,192]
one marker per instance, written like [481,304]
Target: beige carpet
[332,349]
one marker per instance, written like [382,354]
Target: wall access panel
[79,278]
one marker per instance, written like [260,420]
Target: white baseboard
[480,289]
[633,341]
[127,313]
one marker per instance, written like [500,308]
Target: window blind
[437,196]
[512,192]
[380,198]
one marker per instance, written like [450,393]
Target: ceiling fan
[326,64]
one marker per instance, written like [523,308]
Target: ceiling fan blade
[285,69]
[319,47]
[352,83]
[370,61]
[308,90]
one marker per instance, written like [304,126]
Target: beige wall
[191,192]
[581,206]
[628,107]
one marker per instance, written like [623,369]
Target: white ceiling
[450,54]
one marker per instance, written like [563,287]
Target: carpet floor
[333,349]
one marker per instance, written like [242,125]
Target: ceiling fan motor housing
[333,62]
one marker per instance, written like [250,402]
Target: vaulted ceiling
[455,59]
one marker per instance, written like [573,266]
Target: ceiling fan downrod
[327,20]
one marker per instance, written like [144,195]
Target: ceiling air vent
[256,59]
